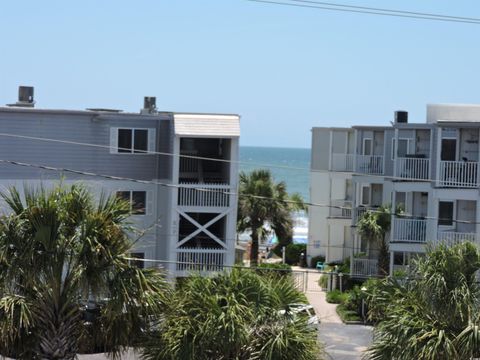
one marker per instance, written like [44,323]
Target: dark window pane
[398,258]
[124,140]
[445,213]
[141,141]
[138,202]
[138,263]
[449,150]
[124,195]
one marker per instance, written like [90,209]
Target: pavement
[341,342]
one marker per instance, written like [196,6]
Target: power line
[379,12]
[386,10]
[179,186]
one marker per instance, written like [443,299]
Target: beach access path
[341,341]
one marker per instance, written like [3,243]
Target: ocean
[290,165]
[277,160]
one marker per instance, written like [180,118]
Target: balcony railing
[200,260]
[409,230]
[341,209]
[412,168]
[342,162]
[451,238]
[212,195]
[458,174]
[369,164]
[364,267]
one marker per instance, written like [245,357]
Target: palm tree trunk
[254,248]
[383,258]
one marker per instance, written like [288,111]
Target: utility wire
[179,186]
[379,12]
[386,10]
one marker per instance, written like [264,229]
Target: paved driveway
[342,342]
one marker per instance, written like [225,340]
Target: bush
[336,297]
[315,259]
[346,314]
[293,251]
[274,269]
[323,281]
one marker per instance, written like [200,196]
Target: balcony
[364,267]
[341,209]
[451,238]
[458,174]
[342,162]
[369,164]
[409,230]
[412,168]
[210,195]
[194,260]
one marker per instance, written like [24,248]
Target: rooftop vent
[25,97]
[149,105]
[401,117]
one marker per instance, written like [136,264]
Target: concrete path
[342,342]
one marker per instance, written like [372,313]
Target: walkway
[342,342]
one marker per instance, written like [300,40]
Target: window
[365,195]
[132,141]
[445,213]
[403,148]
[138,263]
[449,150]
[367,146]
[136,199]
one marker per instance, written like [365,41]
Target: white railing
[200,259]
[458,174]
[412,168]
[364,267]
[369,164]
[341,209]
[342,162]
[212,195]
[409,230]
[451,238]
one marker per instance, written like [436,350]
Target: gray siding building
[178,170]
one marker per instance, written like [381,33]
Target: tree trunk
[254,248]
[383,258]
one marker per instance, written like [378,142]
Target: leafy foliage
[270,205]
[336,297]
[234,315]
[374,226]
[433,315]
[58,249]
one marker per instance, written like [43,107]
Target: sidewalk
[342,342]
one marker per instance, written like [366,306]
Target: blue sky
[283,69]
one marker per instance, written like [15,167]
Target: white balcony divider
[412,168]
[212,195]
[200,259]
[364,267]
[451,238]
[458,174]
[341,209]
[410,230]
[342,162]
[369,164]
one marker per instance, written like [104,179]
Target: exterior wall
[320,149]
[82,140]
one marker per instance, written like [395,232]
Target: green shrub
[346,314]
[274,269]
[323,281]
[315,259]
[336,297]
[293,251]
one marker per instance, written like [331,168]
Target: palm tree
[235,315]
[433,315]
[263,202]
[374,226]
[59,252]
